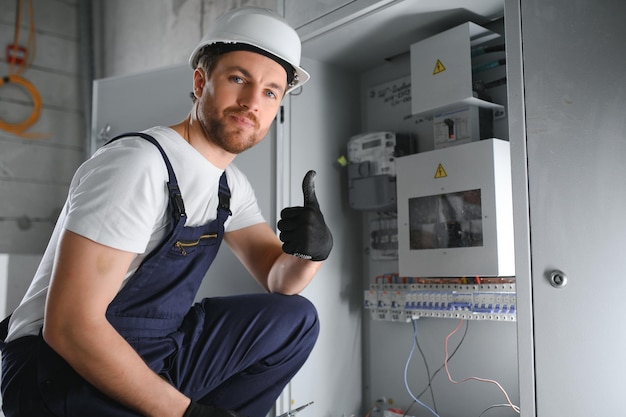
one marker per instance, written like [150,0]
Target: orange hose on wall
[14,77]
[20,128]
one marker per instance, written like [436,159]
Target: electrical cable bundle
[445,366]
[14,76]
[480,86]
[481,50]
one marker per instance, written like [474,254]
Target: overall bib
[233,352]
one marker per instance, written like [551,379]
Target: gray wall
[35,173]
[129,37]
[139,35]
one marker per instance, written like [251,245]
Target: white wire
[406,369]
[515,408]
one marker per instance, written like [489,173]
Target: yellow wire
[20,127]
[15,78]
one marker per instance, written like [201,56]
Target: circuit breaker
[492,300]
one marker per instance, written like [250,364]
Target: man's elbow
[64,334]
[54,334]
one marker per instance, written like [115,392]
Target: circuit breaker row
[404,302]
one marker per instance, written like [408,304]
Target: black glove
[201,410]
[302,229]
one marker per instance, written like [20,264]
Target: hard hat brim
[302,76]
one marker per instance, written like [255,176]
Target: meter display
[377,148]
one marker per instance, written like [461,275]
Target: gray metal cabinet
[568,148]
[567,95]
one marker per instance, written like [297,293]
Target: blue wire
[406,368]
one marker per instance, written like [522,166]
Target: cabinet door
[320,120]
[139,101]
[575,101]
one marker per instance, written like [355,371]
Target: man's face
[240,99]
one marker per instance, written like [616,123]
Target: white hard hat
[260,28]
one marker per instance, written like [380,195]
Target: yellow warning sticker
[438,67]
[440,173]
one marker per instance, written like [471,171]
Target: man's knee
[308,327]
[299,308]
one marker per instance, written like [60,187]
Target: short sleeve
[246,211]
[119,196]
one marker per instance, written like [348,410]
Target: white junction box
[441,69]
[455,211]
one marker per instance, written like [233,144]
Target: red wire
[491,381]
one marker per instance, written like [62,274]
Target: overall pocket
[186,247]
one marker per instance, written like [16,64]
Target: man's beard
[218,132]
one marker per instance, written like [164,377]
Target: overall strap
[223,208]
[4,330]
[172,185]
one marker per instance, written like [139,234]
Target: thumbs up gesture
[302,229]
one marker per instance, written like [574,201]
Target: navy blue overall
[234,352]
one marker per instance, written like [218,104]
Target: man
[107,328]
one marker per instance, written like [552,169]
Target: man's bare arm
[85,279]
[258,248]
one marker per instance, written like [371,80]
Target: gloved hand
[201,410]
[302,229]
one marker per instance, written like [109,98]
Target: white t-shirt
[119,198]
